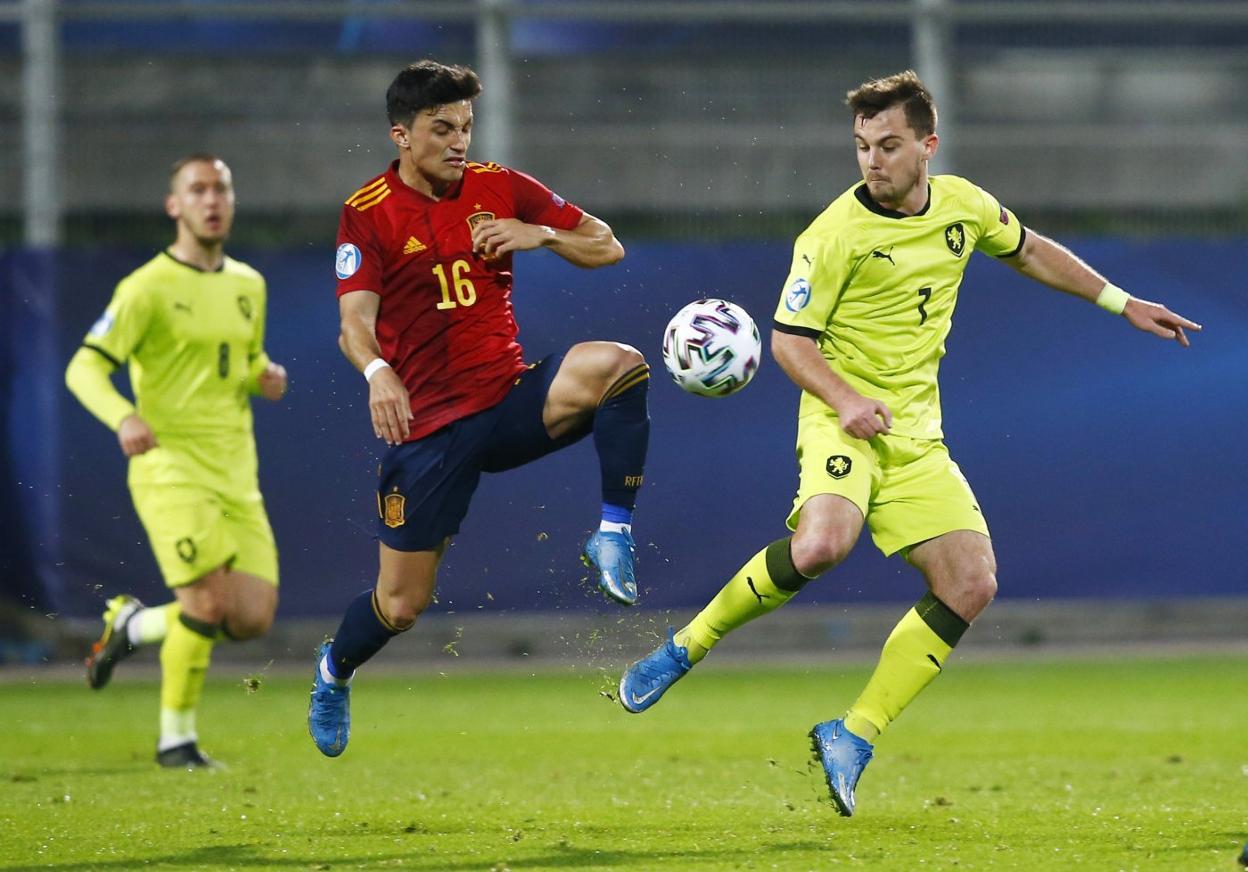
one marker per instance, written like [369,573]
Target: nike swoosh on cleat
[639,700]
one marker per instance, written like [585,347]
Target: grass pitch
[1101,765]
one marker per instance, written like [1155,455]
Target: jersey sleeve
[1002,234]
[257,359]
[89,378]
[538,204]
[817,275]
[120,330]
[358,261]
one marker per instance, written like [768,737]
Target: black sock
[621,435]
[362,633]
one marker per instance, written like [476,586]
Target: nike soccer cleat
[329,712]
[843,757]
[113,645]
[643,683]
[612,555]
[186,756]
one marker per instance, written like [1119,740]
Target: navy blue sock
[362,633]
[621,435]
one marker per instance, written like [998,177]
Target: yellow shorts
[909,490]
[195,529]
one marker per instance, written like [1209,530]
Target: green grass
[1102,765]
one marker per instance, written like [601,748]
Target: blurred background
[708,133]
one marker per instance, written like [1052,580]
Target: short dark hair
[197,157]
[905,89]
[426,84]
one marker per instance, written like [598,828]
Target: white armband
[371,370]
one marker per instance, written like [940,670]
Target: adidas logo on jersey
[414,246]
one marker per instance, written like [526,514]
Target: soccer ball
[711,348]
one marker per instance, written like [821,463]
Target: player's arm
[590,244]
[89,378]
[389,404]
[1049,263]
[799,357]
[264,377]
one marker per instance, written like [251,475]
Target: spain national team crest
[477,217]
[955,238]
[393,514]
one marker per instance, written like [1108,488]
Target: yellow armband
[1112,299]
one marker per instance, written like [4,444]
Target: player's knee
[208,606]
[240,628]
[402,611]
[978,588]
[610,360]
[627,357]
[816,554]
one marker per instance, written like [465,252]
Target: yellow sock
[184,658]
[767,581]
[913,655]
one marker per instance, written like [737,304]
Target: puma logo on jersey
[414,246]
[884,255]
[181,307]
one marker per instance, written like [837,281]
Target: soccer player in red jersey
[424,270]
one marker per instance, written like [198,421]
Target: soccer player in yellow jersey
[861,327]
[190,323]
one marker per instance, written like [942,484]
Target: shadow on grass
[569,857]
[33,775]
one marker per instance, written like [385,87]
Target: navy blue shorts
[426,485]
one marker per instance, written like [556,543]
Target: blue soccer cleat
[613,555]
[843,757]
[329,712]
[643,683]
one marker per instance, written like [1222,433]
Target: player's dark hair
[197,157]
[900,89]
[426,84]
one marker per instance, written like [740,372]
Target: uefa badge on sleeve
[797,297]
[347,261]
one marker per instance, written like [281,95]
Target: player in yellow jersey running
[190,324]
[861,328]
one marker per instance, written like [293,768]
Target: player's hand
[390,406]
[863,417]
[135,436]
[493,239]
[272,382]
[1157,319]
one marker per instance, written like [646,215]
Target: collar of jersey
[864,197]
[199,269]
[397,184]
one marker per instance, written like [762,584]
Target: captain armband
[1112,298]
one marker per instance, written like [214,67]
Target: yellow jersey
[194,342]
[877,289]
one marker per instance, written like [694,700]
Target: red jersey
[446,322]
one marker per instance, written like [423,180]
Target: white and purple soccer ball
[711,348]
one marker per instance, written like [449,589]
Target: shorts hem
[889,548]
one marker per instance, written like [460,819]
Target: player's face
[891,156]
[437,143]
[201,200]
